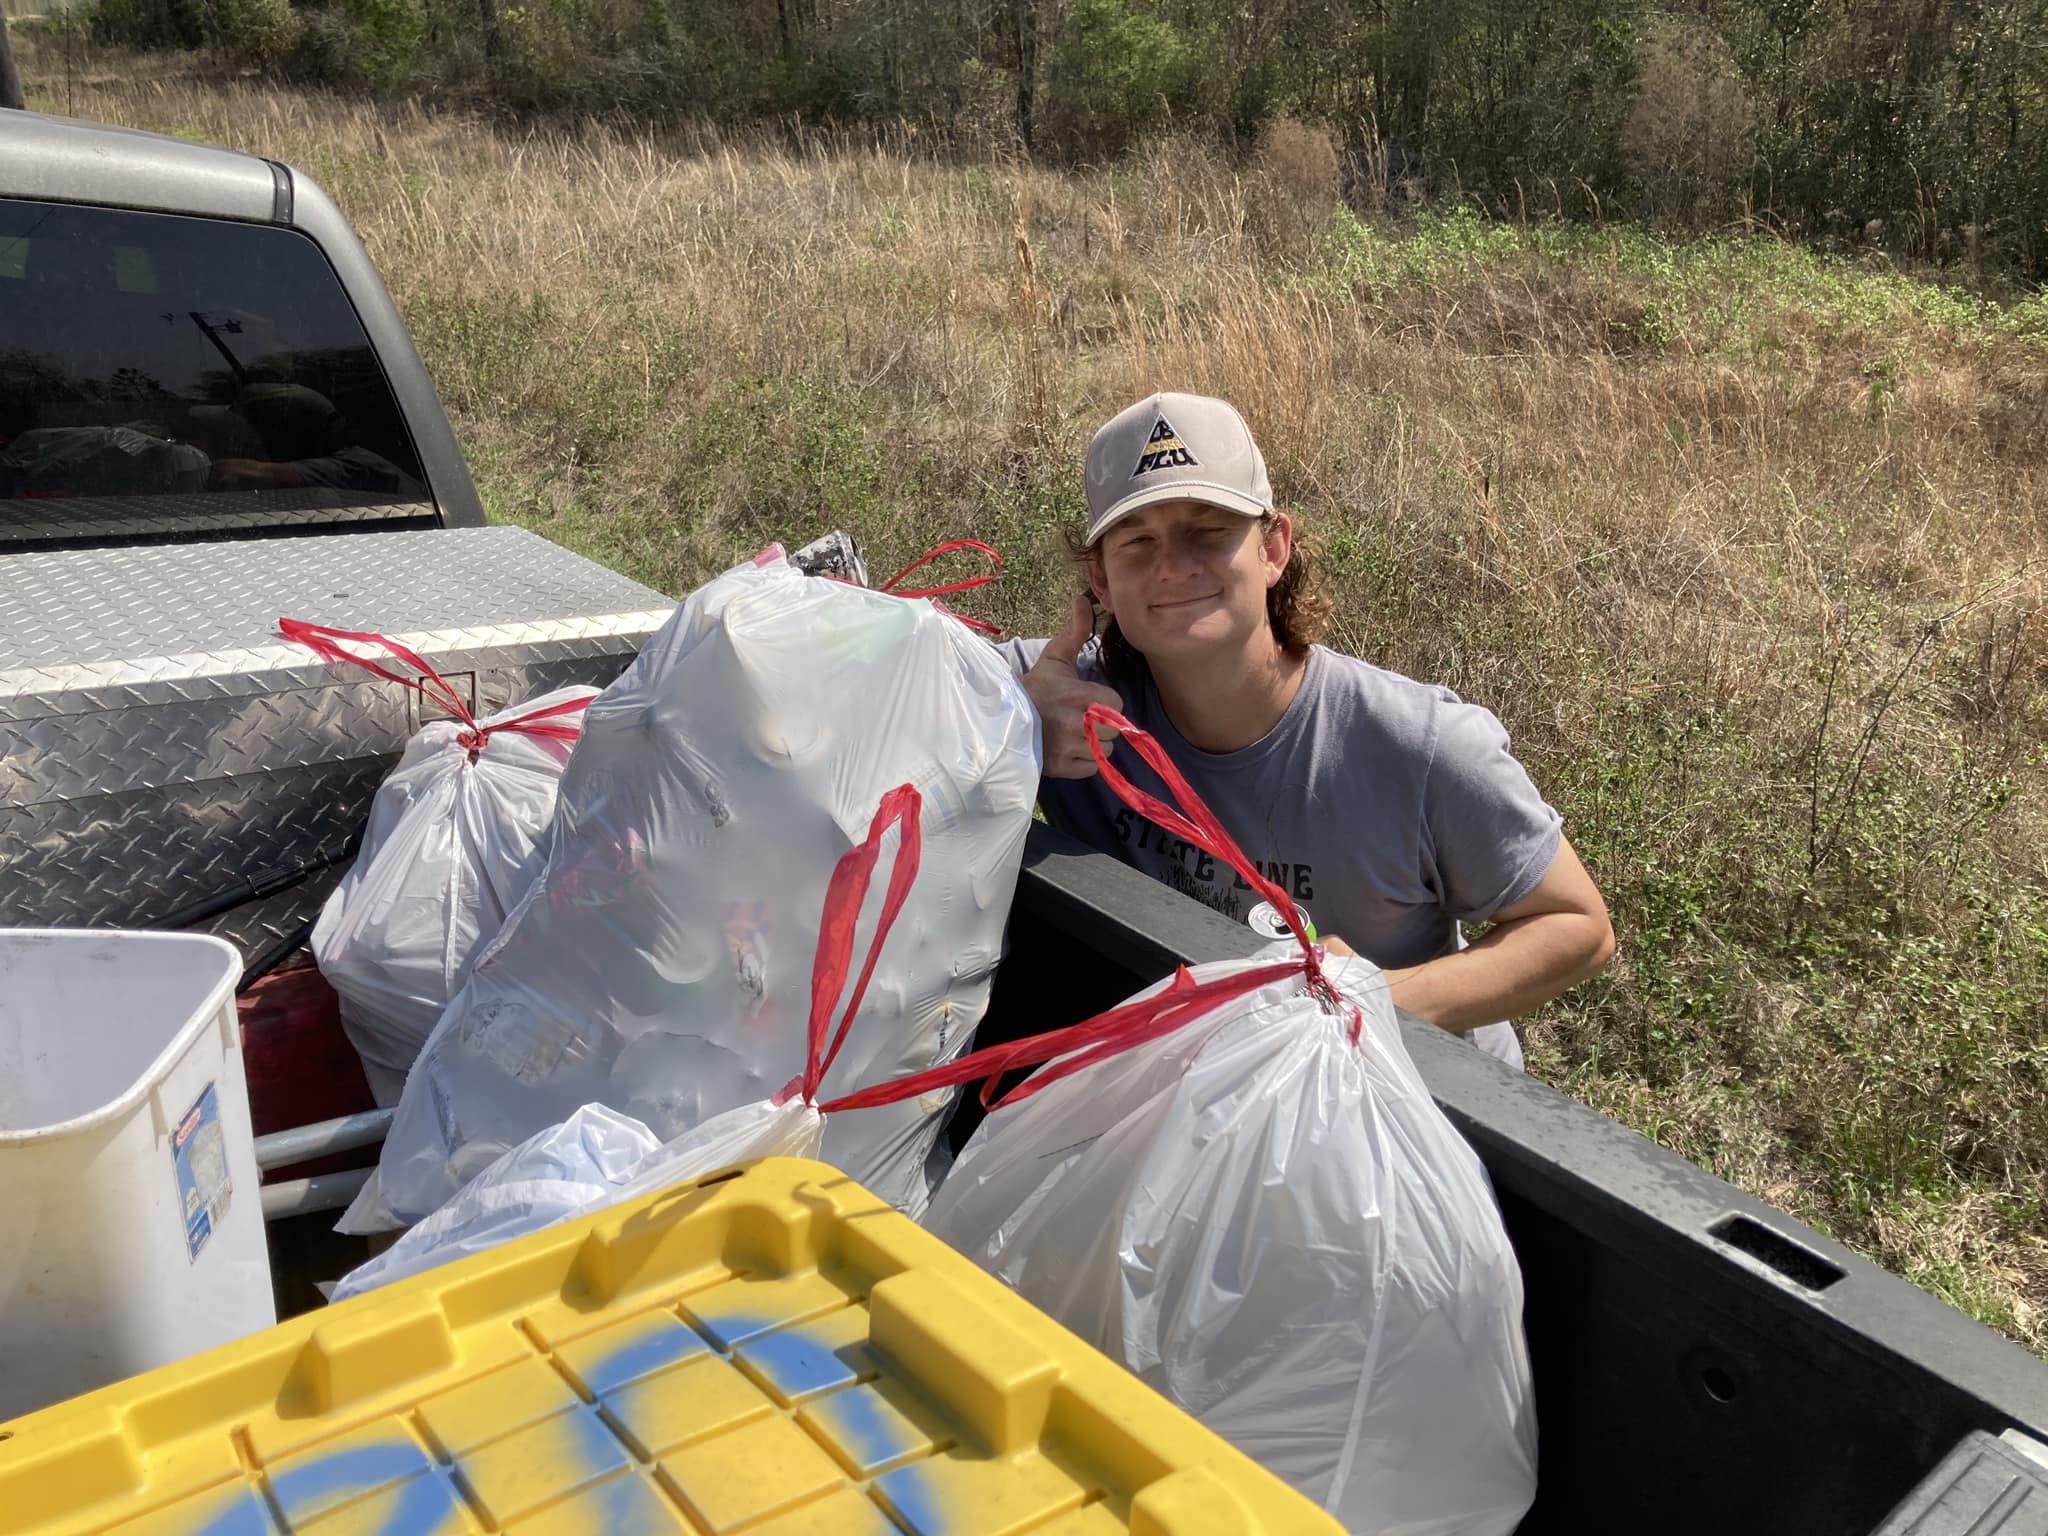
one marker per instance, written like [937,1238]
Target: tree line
[1921,125]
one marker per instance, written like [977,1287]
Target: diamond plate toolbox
[163,747]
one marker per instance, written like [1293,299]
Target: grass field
[1744,545]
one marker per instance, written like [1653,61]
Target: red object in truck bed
[300,1065]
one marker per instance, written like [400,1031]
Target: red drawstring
[968,585]
[946,549]
[844,897]
[1200,827]
[1134,1023]
[1093,1040]
[981,625]
[319,639]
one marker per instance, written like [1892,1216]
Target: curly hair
[1298,606]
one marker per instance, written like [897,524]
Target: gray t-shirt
[1390,810]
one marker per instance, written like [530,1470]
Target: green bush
[120,22]
[142,23]
[1116,74]
[375,44]
[262,33]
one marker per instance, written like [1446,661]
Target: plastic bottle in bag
[599,1158]
[662,957]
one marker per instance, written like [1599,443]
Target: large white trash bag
[661,963]
[599,1158]
[1270,1221]
[449,849]
[595,1159]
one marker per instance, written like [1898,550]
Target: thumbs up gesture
[1062,697]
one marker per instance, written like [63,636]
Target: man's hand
[1062,698]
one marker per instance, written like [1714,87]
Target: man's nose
[1179,557]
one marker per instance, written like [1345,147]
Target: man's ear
[1278,544]
[1098,582]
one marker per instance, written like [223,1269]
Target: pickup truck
[1703,1362]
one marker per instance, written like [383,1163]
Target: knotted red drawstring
[844,896]
[1144,1019]
[321,640]
[947,548]
[1200,827]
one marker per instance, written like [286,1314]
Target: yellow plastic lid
[771,1350]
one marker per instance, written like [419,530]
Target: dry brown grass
[1690,130]
[1683,517]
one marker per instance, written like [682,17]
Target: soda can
[1265,920]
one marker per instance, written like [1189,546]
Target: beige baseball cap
[1172,447]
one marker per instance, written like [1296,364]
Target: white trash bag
[449,849]
[599,1158]
[595,1159]
[661,962]
[1238,1186]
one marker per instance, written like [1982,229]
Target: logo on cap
[1164,450]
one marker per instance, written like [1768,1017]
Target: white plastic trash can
[131,1227]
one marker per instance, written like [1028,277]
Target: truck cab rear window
[169,376]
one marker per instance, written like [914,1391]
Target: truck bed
[1703,1363]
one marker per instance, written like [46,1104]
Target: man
[309,443]
[1388,809]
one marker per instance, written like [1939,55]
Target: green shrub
[124,23]
[1116,74]
[375,44]
[262,33]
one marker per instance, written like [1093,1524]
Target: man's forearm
[1516,967]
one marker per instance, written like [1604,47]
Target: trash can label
[199,1151]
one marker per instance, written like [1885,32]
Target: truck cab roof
[60,159]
